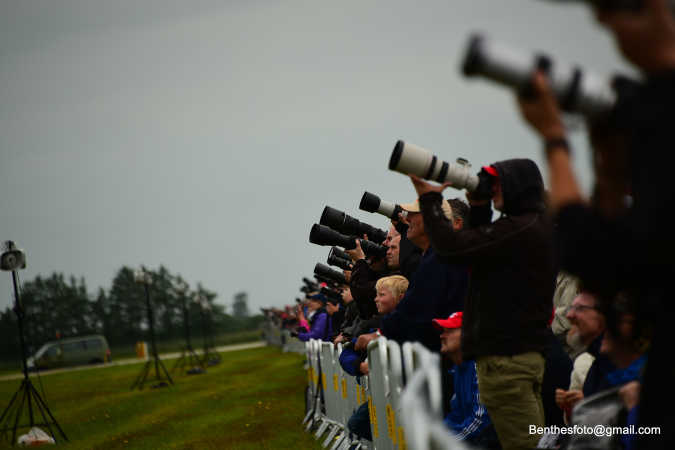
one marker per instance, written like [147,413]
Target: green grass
[252,399]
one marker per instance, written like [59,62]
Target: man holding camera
[436,289]
[511,261]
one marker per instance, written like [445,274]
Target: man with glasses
[589,324]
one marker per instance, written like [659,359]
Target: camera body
[12,258]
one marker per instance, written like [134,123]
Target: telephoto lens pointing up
[577,91]
[410,159]
[373,204]
[344,223]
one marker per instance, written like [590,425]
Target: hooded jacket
[511,262]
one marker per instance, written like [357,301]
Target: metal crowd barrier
[403,415]
[421,402]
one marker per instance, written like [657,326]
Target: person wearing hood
[509,304]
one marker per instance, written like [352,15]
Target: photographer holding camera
[364,275]
[511,260]
[631,250]
[317,323]
[435,290]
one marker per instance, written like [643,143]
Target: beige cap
[415,207]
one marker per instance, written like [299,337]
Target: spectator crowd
[544,305]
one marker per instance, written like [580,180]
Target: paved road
[124,362]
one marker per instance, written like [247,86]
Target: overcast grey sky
[208,135]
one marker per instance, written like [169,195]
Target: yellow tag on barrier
[344,388]
[401,439]
[323,381]
[336,386]
[373,417]
[358,395]
[363,394]
[309,375]
[391,423]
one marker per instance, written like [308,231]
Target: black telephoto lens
[343,264]
[373,249]
[332,295]
[322,235]
[344,223]
[325,271]
[339,253]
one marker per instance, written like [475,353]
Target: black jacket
[511,262]
[362,285]
[351,314]
[596,378]
[435,291]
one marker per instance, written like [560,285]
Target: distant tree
[56,308]
[126,308]
[9,336]
[240,305]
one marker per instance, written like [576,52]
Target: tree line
[58,307]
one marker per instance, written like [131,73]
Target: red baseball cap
[454,321]
[491,170]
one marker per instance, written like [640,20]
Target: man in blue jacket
[468,418]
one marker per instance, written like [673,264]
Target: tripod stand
[210,356]
[26,395]
[144,278]
[188,356]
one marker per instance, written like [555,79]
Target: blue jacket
[436,290]
[468,417]
[350,360]
[320,327]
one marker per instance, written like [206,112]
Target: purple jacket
[320,328]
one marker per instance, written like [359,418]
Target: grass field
[252,399]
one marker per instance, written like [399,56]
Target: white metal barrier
[402,416]
[290,343]
[421,418]
[386,381]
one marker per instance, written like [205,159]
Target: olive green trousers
[510,388]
